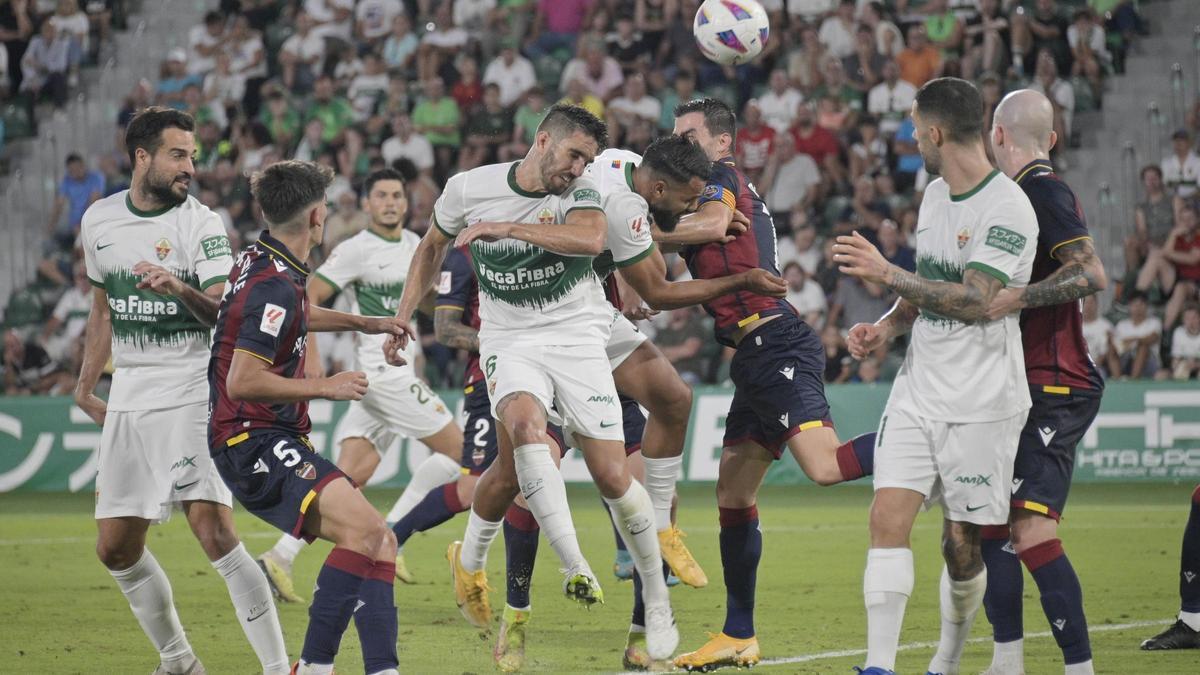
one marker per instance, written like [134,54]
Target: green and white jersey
[372,269]
[629,239]
[160,350]
[955,372]
[528,295]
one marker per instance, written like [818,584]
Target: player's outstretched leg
[120,545]
[963,583]
[441,504]
[1002,601]
[439,468]
[1185,632]
[249,590]
[520,547]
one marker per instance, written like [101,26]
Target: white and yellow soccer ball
[731,32]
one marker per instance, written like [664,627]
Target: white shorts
[575,379]
[624,340]
[397,403]
[967,468]
[151,460]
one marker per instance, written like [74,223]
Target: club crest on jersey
[478,455]
[162,248]
[546,217]
[964,236]
[307,471]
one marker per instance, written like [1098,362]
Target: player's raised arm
[426,264]
[648,277]
[582,232]
[251,380]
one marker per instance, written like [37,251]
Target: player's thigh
[479,445]
[584,394]
[360,433]
[341,514]
[447,441]
[975,465]
[893,512]
[904,453]
[212,525]
[1045,459]
[815,450]
[1028,529]
[405,405]
[648,377]
[358,457]
[520,390]
[740,474]
[605,459]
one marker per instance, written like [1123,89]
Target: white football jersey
[629,238]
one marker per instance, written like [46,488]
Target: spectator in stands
[441,44]
[835,85]
[628,46]
[467,92]
[1185,345]
[511,72]
[806,296]
[682,342]
[943,28]
[791,183]
[683,89]
[920,61]
[857,301]
[312,143]
[578,94]
[555,27]
[487,131]
[1097,333]
[839,365]
[405,142]
[249,60]
[891,99]
[600,73]
[1182,252]
[80,187]
[818,143]
[987,41]
[369,88]
[1061,95]
[281,120]
[1153,220]
[804,59]
[205,42]
[863,68]
[347,220]
[222,86]
[478,18]
[1042,29]
[837,31]
[868,371]
[526,121]
[400,47]
[779,102]
[869,154]
[633,107]
[68,320]
[301,56]
[45,64]
[334,111]
[175,79]
[373,21]
[888,39]
[1089,50]
[333,19]
[437,117]
[802,248]
[28,369]
[1136,341]
[1181,168]
[908,159]
[72,23]
[755,143]
[893,248]
[16,27]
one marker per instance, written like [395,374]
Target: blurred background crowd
[435,87]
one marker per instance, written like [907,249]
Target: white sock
[307,668]
[887,583]
[1084,668]
[546,494]
[661,474]
[148,591]
[288,547]
[1008,656]
[1192,619]
[477,540]
[251,596]
[634,517]
[960,601]
[436,470]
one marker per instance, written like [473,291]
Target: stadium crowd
[433,88]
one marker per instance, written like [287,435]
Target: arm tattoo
[966,302]
[1081,275]
[452,332]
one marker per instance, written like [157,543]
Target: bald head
[1027,119]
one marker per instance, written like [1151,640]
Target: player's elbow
[239,388]
[593,245]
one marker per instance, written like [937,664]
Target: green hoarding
[1145,431]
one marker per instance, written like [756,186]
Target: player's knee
[826,473]
[612,478]
[527,431]
[387,544]
[377,540]
[677,404]
[118,555]
[733,496]
[961,551]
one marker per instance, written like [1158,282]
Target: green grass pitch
[62,613]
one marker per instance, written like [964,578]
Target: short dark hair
[790,264]
[382,174]
[564,119]
[284,189]
[1138,295]
[213,17]
[719,118]
[676,158]
[74,157]
[956,105]
[1152,168]
[146,127]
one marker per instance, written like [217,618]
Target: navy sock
[741,549]
[1005,584]
[440,505]
[856,457]
[1062,599]
[376,619]
[1189,564]
[520,552]
[336,594]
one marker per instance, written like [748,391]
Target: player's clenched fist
[347,386]
[763,282]
[865,338]
[93,405]
[393,346]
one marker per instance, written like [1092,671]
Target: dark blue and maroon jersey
[264,314]
[612,292]
[1055,352]
[753,248]
[458,289]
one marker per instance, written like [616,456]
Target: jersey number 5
[288,456]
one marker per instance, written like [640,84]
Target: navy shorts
[479,431]
[635,424]
[275,475]
[778,386]
[1046,451]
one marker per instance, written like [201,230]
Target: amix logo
[976,480]
[186,461]
[596,398]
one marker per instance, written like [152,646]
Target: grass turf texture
[62,613]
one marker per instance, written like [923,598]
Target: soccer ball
[731,32]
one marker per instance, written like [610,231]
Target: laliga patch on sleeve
[216,246]
[1006,240]
[444,282]
[272,319]
[638,225]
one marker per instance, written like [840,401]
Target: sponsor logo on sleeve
[444,282]
[586,195]
[272,319]
[712,192]
[216,246]
[1006,240]
[637,224]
